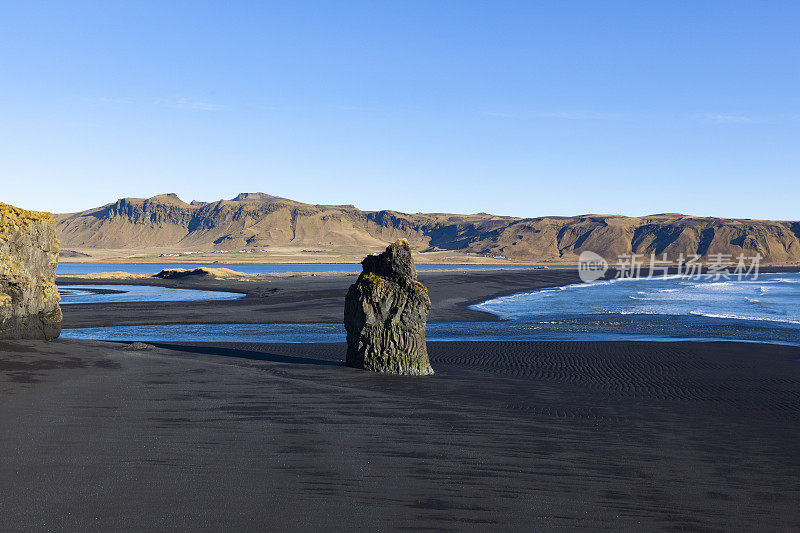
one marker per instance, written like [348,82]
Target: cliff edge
[28,259]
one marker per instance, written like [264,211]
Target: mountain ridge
[259,220]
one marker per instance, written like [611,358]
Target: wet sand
[508,435]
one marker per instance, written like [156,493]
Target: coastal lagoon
[660,309]
[92,294]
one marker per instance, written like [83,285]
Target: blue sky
[516,108]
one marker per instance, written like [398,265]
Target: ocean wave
[682,297]
[592,284]
[720,284]
[520,296]
[740,317]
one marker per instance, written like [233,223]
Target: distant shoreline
[299,261]
[306,261]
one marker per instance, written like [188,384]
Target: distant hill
[258,220]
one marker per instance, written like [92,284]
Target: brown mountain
[258,220]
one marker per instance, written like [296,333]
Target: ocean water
[768,298]
[90,294]
[762,310]
[154,268]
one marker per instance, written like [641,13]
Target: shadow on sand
[245,354]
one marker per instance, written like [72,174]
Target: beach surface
[509,435]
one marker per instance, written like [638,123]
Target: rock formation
[28,258]
[384,315]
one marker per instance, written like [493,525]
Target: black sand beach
[303,298]
[306,298]
[537,435]
[507,435]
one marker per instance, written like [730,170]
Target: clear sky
[517,108]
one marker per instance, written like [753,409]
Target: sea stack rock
[385,313]
[28,258]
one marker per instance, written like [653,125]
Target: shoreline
[307,298]
[285,298]
[489,262]
[294,257]
[176,261]
[617,339]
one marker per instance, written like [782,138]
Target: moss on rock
[385,315]
[28,258]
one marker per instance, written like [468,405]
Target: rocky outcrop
[28,258]
[385,313]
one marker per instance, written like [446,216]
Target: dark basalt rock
[385,313]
